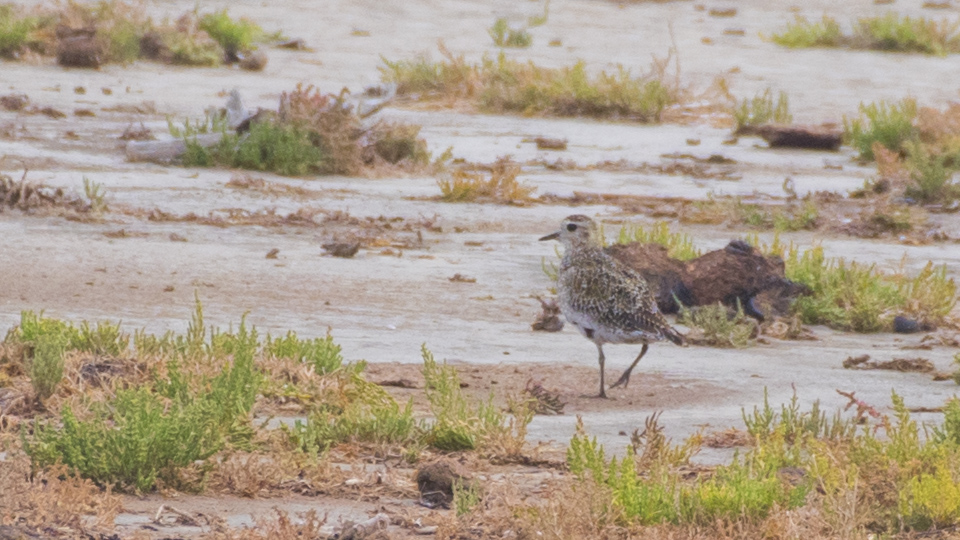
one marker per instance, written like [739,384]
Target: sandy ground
[381,308]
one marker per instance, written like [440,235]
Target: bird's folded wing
[614,296]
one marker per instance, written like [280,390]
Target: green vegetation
[504,85]
[321,353]
[122,33]
[844,295]
[852,296]
[717,328]
[46,365]
[14,30]
[154,432]
[369,416]
[504,36]
[890,124]
[890,32]
[103,339]
[679,245]
[762,110]
[931,175]
[894,32]
[502,187]
[466,497]
[235,36]
[917,149]
[96,195]
[900,481]
[185,422]
[313,133]
[802,34]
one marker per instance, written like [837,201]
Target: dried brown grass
[502,186]
[52,498]
[247,182]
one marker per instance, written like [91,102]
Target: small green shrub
[718,328]
[103,339]
[458,424]
[190,49]
[889,124]
[235,36]
[762,110]
[931,175]
[373,417]
[322,353]
[679,245]
[466,497]
[132,446]
[802,33]
[268,146]
[96,195]
[748,489]
[852,296]
[893,32]
[14,30]
[149,434]
[46,365]
[504,36]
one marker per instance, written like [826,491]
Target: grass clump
[234,36]
[504,36]
[801,463]
[890,124]
[650,489]
[679,245]
[802,33]
[931,175]
[762,110]
[853,296]
[716,327]
[458,424]
[103,339]
[501,187]
[504,85]
[156,431]
[366,415]
[312,133]
[889,32]
[15,30]
[894,32]
[116,31]
[321,353]
[46,366]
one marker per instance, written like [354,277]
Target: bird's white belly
[600,334]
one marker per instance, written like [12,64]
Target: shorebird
[607,301]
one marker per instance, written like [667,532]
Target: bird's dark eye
[571,227]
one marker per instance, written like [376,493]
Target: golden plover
[606,300]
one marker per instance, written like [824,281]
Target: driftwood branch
[166,151]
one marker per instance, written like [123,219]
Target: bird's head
[577,231]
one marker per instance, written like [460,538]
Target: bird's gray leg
[625,378]
[600,359]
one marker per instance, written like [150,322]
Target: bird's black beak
[551,236]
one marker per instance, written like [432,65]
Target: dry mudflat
[397,294]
